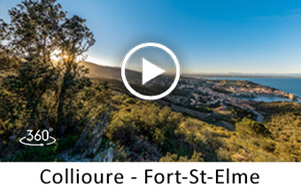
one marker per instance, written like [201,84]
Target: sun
[57,56]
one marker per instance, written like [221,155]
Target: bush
[252,128]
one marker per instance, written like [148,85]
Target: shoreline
[279,93]
[218,76]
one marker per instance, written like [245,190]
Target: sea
[290,85]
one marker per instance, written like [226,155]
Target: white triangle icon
[149,71]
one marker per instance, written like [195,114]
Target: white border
[160,46]
[24,178]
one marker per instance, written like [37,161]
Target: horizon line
[215,73]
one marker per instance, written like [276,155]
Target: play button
[151,72]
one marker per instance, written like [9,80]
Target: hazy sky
[250,36]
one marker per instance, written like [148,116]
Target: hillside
[112,75]
[107,72]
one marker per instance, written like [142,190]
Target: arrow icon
[150,71]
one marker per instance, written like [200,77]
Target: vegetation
[179,138]
[35,91]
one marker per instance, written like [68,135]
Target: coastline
[291,92]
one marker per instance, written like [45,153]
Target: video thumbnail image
[150,81]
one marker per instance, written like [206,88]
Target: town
[217,101]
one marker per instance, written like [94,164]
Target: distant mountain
[235,74]
[108,72]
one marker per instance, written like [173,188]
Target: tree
[75,39]
[32,33]
[27,43]
[39,28]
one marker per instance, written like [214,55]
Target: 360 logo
[38,138]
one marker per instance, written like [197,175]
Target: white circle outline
[135,49]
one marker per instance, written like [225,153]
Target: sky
[218,36]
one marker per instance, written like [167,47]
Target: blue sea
[290,85]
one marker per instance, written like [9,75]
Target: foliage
[44,154]
[196,157]
[275,140]
[31,154]
[41,89]
[252,128]
[36,91]
[143,119]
